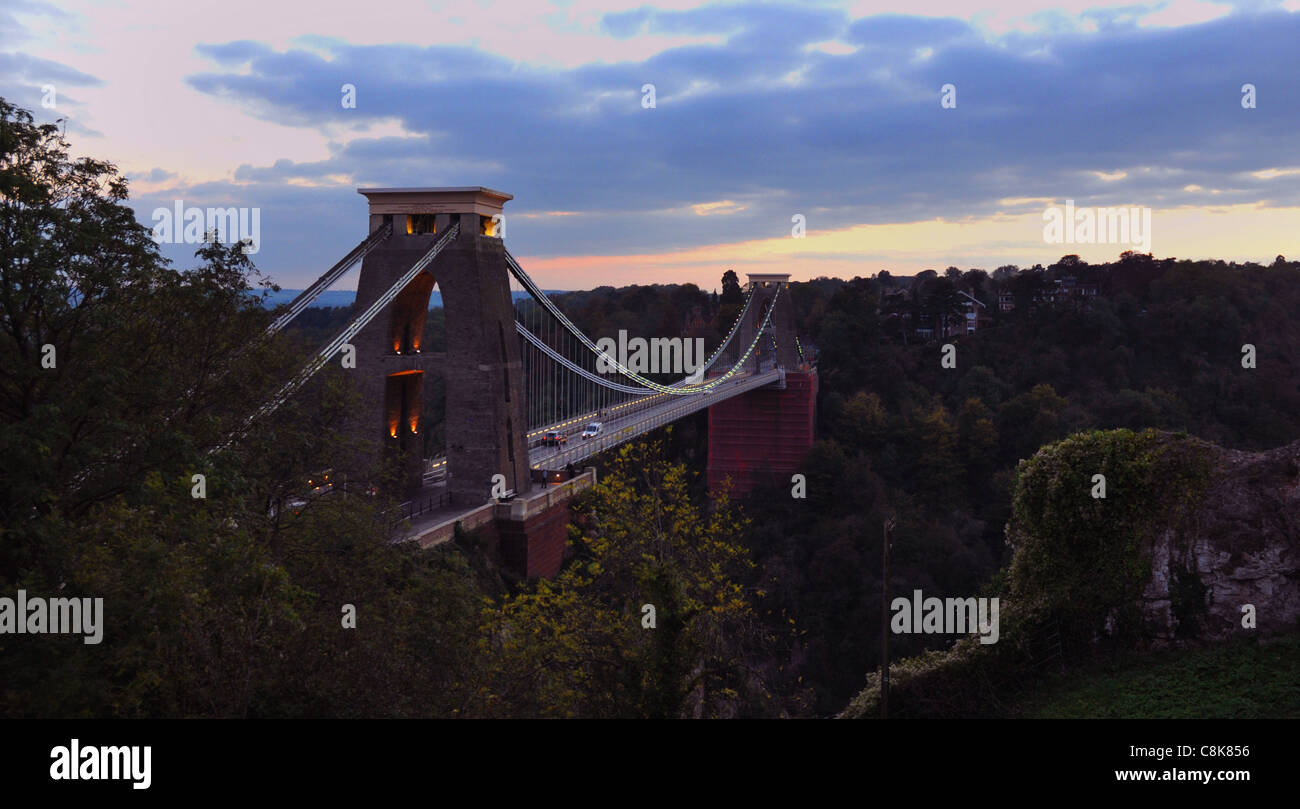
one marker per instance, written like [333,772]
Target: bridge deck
[431,517]
[618,429]
[438,524]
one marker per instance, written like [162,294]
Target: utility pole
[884,621]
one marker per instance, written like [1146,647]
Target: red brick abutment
[762,436]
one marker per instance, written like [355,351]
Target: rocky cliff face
[1187,534]
[1239,546]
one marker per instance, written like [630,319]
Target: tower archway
[481,359]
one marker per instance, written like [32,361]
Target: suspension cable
[334,346]
[681,388]
[311,293]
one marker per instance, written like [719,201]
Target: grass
[1246,679]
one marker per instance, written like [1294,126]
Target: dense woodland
[229,606]
[1160,346]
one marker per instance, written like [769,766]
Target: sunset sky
[762,112]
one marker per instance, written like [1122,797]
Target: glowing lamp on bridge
[420,224]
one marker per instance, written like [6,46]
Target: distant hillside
[345,297]
[328,298]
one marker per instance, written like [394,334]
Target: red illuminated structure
[762,436]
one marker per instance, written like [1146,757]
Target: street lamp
[884,618]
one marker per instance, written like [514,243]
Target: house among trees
[933,308]
[1066,289]
[956,313]
[976,313]
[895,305]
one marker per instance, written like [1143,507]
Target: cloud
[234,54]
[23,78]
[774,127]
[155,175]
[12,32]
[19,67]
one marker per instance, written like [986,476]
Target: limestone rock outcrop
[1239,546]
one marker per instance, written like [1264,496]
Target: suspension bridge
[523,382]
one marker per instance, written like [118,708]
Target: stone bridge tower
[764,288]
[482,369]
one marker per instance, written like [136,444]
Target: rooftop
[447,199]
[431,189]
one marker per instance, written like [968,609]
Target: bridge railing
[417,507]
[653,420]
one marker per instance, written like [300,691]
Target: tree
[935,437]
[730,304]
[580,645]
[1029,421]
[942,303]
[104,442]
[73,263]
[977,437]
[1004,273]
[865,421]
[1070,263]
[731,292]
[1026,286]
[218,605]
[974,280]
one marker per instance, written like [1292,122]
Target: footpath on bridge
[439,525]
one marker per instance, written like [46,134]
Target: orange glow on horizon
[1246,232]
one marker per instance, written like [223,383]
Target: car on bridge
[554,438]
[320,482]
[592,430]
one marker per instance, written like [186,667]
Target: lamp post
[884,620]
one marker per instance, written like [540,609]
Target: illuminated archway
[408,314]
